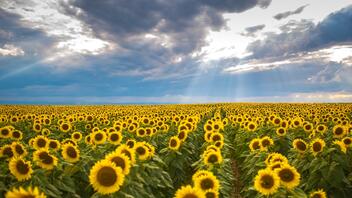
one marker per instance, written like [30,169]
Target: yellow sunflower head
[339,131]
[266,182]
[41,142]
[317,146]
[281,131]
[21,192]
[44,159]
[76,136]
[213,157]
[20,168]
[70,153]
[300,145]
[99,137]
[130,153]
[6,151]
[341,145]
[120,160]
[105,177]
[207,182]
[18,149]
[189,192]
[115,138]
[174,143]
[54,145]
[255,144]
[142,151]
[318,194]
[289,177]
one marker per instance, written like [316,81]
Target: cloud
[333,30]
[284,15]
[11,50]
[250,31]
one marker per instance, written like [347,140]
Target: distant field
[182,151]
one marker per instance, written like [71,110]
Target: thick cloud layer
[334,29]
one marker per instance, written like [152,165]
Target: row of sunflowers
[181,151]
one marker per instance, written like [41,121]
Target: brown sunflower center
[114,137]
[347,141]
[19,149]
[8,151]
[265,142]
[256,145]
[16,134]
[286,175]
[267,181]
[41,142]
[98,136]
[251,126]
[317,195]
[106,176]
[46,158]
[206,184]
[119,161]
[76,136]
[5,132]
[301,146]
[216,138]
[53,145]
[210,195]
[22,167]
[126,152]
[181,135]
[213,158]
[173,143]
[317,147]
[140,150]
[71,152]
[190,195]
[65,127]
[338,131]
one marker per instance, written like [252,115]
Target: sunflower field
[181,151]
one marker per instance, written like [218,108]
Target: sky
[184,51]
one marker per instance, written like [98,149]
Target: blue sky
[186,51]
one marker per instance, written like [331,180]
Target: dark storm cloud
[250,31]
[334,29]
[289,13]
[14,33]
[184,24]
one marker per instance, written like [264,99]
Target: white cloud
[46,16]
[11,50]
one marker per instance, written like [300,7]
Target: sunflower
[213,157]
[208,128]
[321,128]
[347,141]
[339,131]
[131,143]
[5,132]
[115,138]
[252,126]
[70,153]
[130,153]
[266,141]
[16,134]
[18,149]
[281,131]
[182,135]
[65,127]
[341,145]
[211,193]
[142,151]
[201,173]
[37,127]
[308,127]
[120,160]
[275,157]
[54,144]
[289,177]
[317,145]
[20,168]
[105,177]
[275,165]
[40,142]
[20,192]
[277,121]
[141,132]
[216,137]
[99,137]
[189,192]
[318,194]
[6,151]
[174,143]
[207,182]
[45,132]
[76,136]
[44,160]
[219,144]
[255,144]
[300,145]
[88,139]
[266,182]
